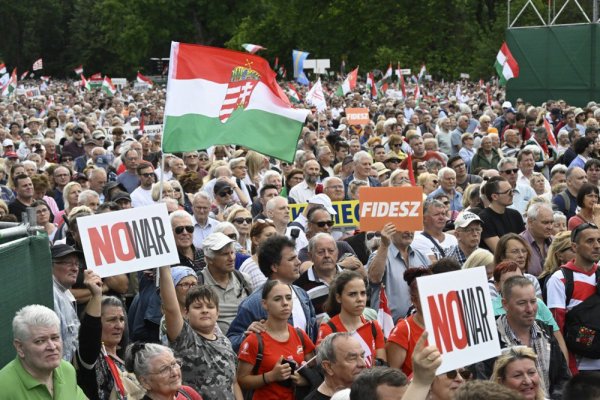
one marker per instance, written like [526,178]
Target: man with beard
[306,189]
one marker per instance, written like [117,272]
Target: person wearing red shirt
[419,153]
[405,335]
[283,350]
[345,305]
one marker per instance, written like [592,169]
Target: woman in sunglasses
[182,224]
[345,305]
[444,386]
[242,220]
[516,369]
[429,182]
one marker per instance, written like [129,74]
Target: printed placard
[347,212]
[459,317]
[357,116]
[401,205]
[126,241]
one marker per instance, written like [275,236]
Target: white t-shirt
[426,246]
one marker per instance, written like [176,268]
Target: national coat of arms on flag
[240,87]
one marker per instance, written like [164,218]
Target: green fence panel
[557,62]
[26,278]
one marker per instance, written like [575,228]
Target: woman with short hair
[516,369]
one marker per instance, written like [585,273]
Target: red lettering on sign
[101,245]
[118,246]
[447,321]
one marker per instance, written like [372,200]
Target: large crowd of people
[264,307]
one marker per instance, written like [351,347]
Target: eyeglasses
[192,156]
[371,235]
[509,191]
[284,164]
[459,166]
[510,171]
[435,181]
[226,193]
[464,373]
[188,228]
[187,285]
[321,224]
[149,175]
[203,158]
[397,145]
[68,263]
[242,220]
[165,371]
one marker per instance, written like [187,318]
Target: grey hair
[86,195]
[558,168]
[267,175]
[222,226]
[326,349]
[181,214]
[139,356]
[558,216]
[534,210]
[112,301]
[173,159]
[570,171]
[313,240]
[321,150]
[329,179]
[201,195]
[506,160]
[29,162]
[299,155]
[32,316]
[359,155]
[445,170]
[235,161]
[434,203]
[95,171]
[272,203]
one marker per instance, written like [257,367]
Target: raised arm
[173,317]
[377,266]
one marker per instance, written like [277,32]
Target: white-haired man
[447,177]
[363,163]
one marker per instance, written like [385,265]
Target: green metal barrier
[25,278]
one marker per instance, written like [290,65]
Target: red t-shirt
[365,332]
[405,334]
[272,349]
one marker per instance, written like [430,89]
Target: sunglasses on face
[149,175]
[232,236]
[225,193]
[242,220]
[188,228]
[511,171]
[371,235]
[321,224]
[464,373]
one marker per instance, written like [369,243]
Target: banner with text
[401,205]
[346,217]
[357,116]
[126,241]
[459,317]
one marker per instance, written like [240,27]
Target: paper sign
[347,212]
[152,130]
[401,205]
[464,76]
[459,317]
[126,241]
[357,116]
[405,71]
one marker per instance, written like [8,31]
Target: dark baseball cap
[62,250]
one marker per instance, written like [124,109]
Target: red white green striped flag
[11,85]
[85,83]
[143,79]
[551,137]
[388,73]
[506,65]
[79,70]
[371,85]
[349,83]
[221,97]
[108,86]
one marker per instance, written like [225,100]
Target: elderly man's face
[42,350]
[181,230]
[448,182]
[350,360]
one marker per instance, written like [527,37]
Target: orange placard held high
[401,205]
[357,116]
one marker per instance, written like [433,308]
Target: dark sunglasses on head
[232,236]
[226,193]
[321,224]
[188,228]
[371,235]
[242,220]
[464,373]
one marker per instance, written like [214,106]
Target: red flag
[402,86]
[551,137]
[384,315]
[142,124]
[489,95]
[411,171]
[143,79]
[24,75]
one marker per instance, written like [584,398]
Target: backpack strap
[569,284]
[373,330]
[332,326]
[566,199]
[300,336]
[435,243]
[240,277]
[259,354]
[184,394]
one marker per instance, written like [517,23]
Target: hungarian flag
[551,137]
[349,83]
[78,70]
[506,65]
[293,94]
[388,73]
[38,64]
[220,97]
[488,94]
[316,97]
[45,78]
[417,93]
[24,75]
[422,72]
[2,69]
[402,85]
[85,83]
[108,86]
[142,79]
[11,85]
[371,85]
[252,48]
[384,315]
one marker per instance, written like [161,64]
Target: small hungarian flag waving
[349,83]
[108,86]
[85,83]
[11,85]
[252,48]
[45,78]
[79,70]
[506,65]
[384,315]
[24,75]
[38,64]
[551,137]
[142,79]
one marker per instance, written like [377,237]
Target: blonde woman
[242,221]
[257,164]
[71,193]
[429,182]
[559,253]
[481,258]
[538,182]
[167,190]
[516,368]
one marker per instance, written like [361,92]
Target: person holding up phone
[269,360]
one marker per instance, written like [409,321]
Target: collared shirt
[538,257]
[302,192]
[521,196]
[524,181]
[230,297]
[201,232]
[317,290]
[17,383]
[66,309]
[455,200]
[396,288]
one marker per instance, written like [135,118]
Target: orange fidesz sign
[402,206]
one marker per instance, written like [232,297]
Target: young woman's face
[278,303]
[43,214]
[353,298]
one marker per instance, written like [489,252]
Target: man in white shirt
[432,241]
[306,189]
[142,195]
